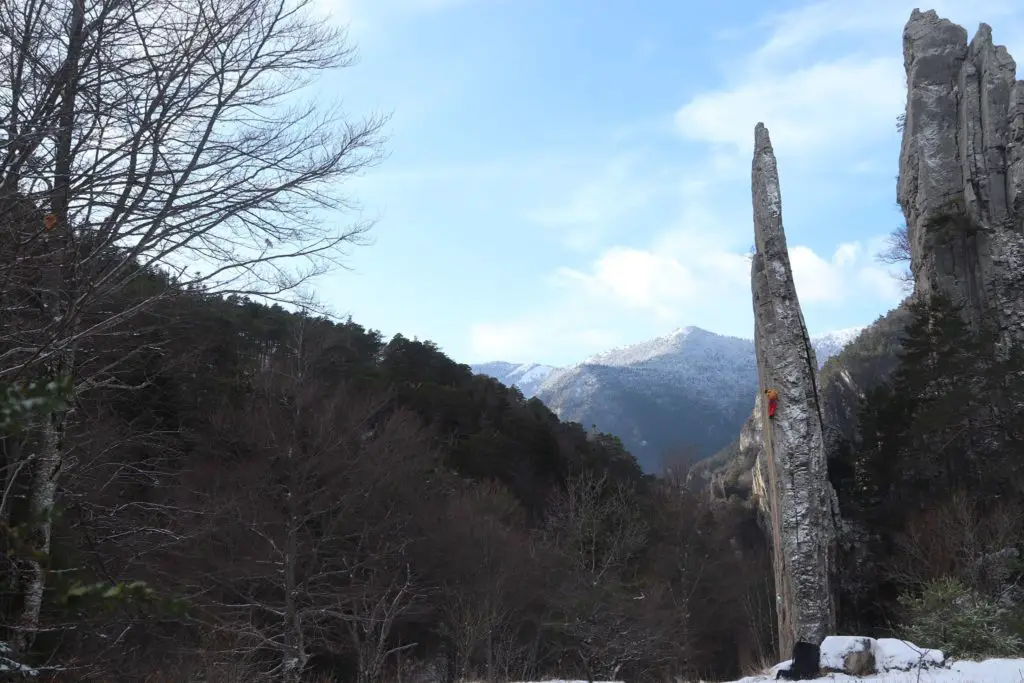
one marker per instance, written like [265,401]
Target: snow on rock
[858,655]
[988,671]
[832,343]
[702,364]
[848,654]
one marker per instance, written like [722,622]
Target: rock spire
[799,500]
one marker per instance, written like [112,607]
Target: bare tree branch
[897,251]
[160,144]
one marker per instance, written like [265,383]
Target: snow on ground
[8,664]
[989,671]
[899,661]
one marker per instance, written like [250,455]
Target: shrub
[956,619]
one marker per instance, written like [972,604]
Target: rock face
[866,362]
[800,501]
[961,183]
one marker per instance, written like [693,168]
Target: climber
[773,401]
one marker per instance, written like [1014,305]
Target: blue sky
[566,176]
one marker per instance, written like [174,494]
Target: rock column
[800,500]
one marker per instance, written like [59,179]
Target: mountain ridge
[686,391]
[528,377]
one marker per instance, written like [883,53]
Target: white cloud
[637,279]
[813,103]
[626,288]
[813,97]
[613,192]
[680,285]
[808,112]
[794,32]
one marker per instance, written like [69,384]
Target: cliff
[961,182]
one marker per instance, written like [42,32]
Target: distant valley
[690,390]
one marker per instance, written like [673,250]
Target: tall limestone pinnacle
[799,499]
[961,183]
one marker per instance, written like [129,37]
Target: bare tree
[598,527]
[146,135]
[309,537]
[963,536]
[676,463]
[597,521]
[371,616]
[897,251]
[482,601]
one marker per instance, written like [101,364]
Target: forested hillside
[293,492]
[932,487]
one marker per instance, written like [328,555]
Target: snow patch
[899,661]
[10,665]
[989,671]
[527,377]
[893,654]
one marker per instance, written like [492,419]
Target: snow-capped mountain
[527,377]
[691,389]
[831,343]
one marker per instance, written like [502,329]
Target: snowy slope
[527,377]
[831,343]
[710,367]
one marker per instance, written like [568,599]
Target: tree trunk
[369,664]
[43,490]
[490,657]
[295,647]
[42,495]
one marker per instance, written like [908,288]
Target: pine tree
[922,432]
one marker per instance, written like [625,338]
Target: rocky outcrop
[867,362]
[799,501]
[729,473]
[961,183]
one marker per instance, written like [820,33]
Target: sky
[567,176]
